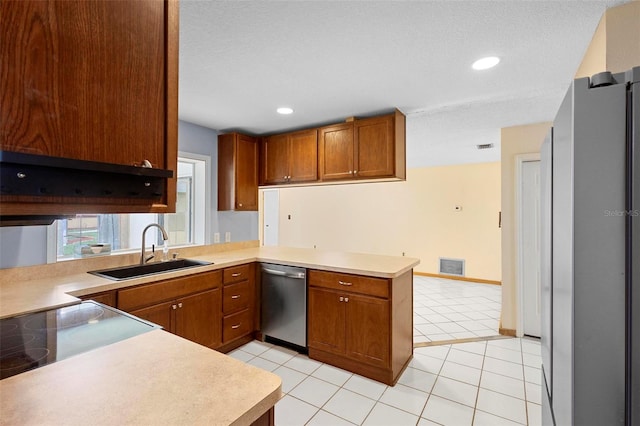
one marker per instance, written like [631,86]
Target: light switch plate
[227,237]
[216,237]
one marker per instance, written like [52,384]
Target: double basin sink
[136,271]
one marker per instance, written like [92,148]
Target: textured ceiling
[329,60]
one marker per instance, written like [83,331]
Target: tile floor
[494,382]
[487,382]
[446,309]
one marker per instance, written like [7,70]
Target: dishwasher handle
[296,275]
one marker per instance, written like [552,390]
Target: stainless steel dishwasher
[284,304]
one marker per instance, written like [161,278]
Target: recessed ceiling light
[485,63]
[284,110]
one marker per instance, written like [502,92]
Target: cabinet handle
[341,299]
[346,299]
[179,305]
[239,204]
[344,283]
[174,307]
[350,172]
[235,296]
[237,274]
[235,326]
[355,172]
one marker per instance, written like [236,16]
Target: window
[121,232]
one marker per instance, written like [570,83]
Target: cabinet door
[198,318]
[246,173]
[84,79]
[326,321]
[336,152]
[374,153]
[160,314]
[275,159]
[367,329]
[303,163]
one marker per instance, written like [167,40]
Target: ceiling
[329,60]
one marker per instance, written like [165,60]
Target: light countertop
[32,289]
[151,379]
[157,377]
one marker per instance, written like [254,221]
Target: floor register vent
[451,266]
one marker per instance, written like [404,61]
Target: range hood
[44,176]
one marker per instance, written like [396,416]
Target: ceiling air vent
[485,146]
[451,266]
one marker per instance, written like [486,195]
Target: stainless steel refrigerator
[591,255]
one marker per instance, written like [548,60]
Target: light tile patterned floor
[446,309]
[492,382]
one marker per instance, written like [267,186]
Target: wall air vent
[485,146]
[451,267]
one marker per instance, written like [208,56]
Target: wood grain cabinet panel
[290,158]
[367,332]
[368,148]
[160,314]
[374,142]
[237,172]
[90,80]
[189,306]
[198,318]
[275,159]
[336,152]
[326,324]
[106,298]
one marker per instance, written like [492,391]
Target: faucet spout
[165,237]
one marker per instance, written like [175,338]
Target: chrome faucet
[144,259]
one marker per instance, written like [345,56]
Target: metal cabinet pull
[235,296]
[179,305]
[174,307]
[346,299]
[235,326]
[344,283]
[341,299]
[236,274]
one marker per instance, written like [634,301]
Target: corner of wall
[516,140]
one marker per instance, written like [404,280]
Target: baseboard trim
[453,277]
[507,332]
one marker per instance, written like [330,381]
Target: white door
[530,247]
[271,203]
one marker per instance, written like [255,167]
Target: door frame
[520,160]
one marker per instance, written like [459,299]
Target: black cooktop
[34,340]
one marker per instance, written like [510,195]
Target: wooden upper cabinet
[363,149]
[374,143]
[290,158]
[237,172]
[94,81]
[336,151]
[303,149]
[275,159]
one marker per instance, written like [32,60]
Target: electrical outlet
[216,237]
[227,237]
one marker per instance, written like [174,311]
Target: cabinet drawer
[236,273]
[137,297]
[237,325]
[378,287]
[235,297]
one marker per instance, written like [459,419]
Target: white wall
[415,217]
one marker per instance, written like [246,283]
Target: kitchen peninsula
[132,381]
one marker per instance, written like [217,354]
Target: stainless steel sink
[135,271]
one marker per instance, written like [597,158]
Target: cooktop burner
[34,340]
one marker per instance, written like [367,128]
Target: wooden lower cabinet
[196,317]
[190,306]
[368,334]
[106,298]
